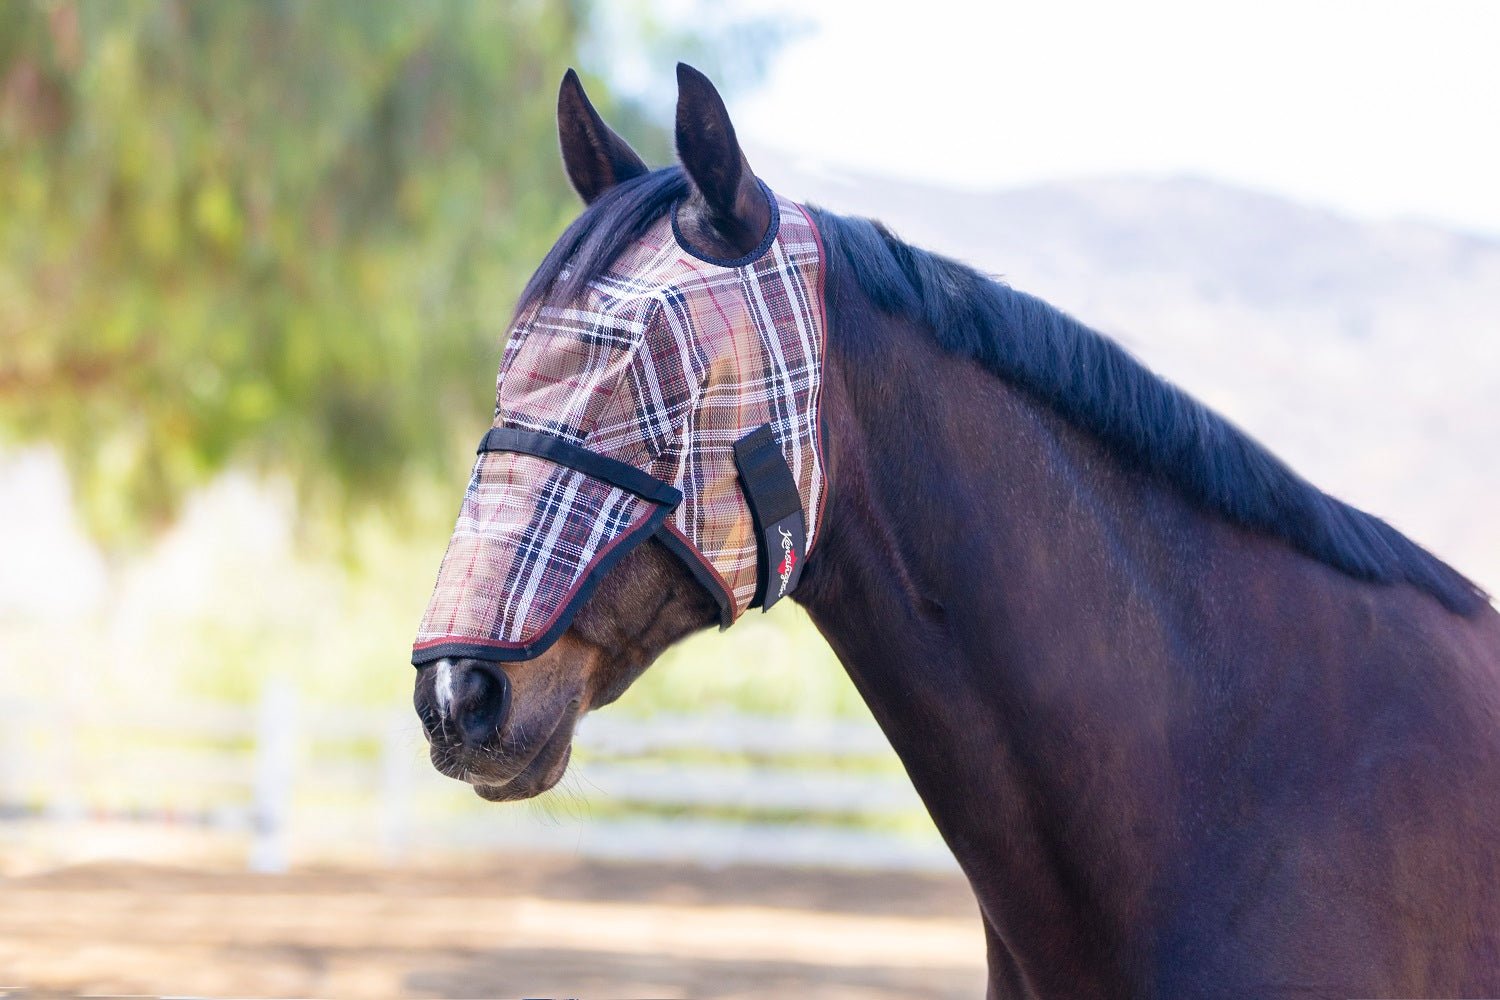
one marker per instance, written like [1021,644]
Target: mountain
[1366,354]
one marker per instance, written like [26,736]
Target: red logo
[788,560]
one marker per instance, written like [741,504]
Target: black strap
[565,452]
[776,507]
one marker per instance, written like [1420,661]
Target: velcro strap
[776,507]
[576,457]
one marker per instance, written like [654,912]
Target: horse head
[654,462]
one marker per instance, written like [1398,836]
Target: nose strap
[776,508]
[765,478]
[590,463]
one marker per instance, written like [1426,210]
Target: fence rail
[286,776]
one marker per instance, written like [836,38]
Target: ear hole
[694,241]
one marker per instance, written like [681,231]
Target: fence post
[275,765]
[396,783]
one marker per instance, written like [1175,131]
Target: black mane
[1086,378]
[616,219]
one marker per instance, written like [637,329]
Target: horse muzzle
[478,735]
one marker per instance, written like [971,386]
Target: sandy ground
[522,926]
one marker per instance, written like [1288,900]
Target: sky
[1381,110]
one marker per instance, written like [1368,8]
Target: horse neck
[1017,609]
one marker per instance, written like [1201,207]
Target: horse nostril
[481,698]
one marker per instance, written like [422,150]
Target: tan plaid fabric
[663,364]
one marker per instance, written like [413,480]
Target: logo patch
[788,560]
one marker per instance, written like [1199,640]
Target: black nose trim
[481,701]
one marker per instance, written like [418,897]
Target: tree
[281,233]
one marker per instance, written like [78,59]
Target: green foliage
[288,234]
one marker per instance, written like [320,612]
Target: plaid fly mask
[678,398]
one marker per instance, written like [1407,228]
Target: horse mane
[1080,374]
[616,219]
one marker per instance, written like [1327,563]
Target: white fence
[287,778]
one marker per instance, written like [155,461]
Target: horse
[1189,725]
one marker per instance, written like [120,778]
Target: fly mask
[677,397]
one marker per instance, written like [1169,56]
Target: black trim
[539,645]
[772,231]
[590,463]
[694,562]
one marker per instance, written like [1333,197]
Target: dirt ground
[523,926]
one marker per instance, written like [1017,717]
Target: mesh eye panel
[663,364]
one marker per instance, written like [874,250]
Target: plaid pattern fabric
[663,364]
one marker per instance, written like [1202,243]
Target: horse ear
[595,157]
[732,199]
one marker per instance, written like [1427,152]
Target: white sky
[1379,109]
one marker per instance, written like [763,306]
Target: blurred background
[256,265]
